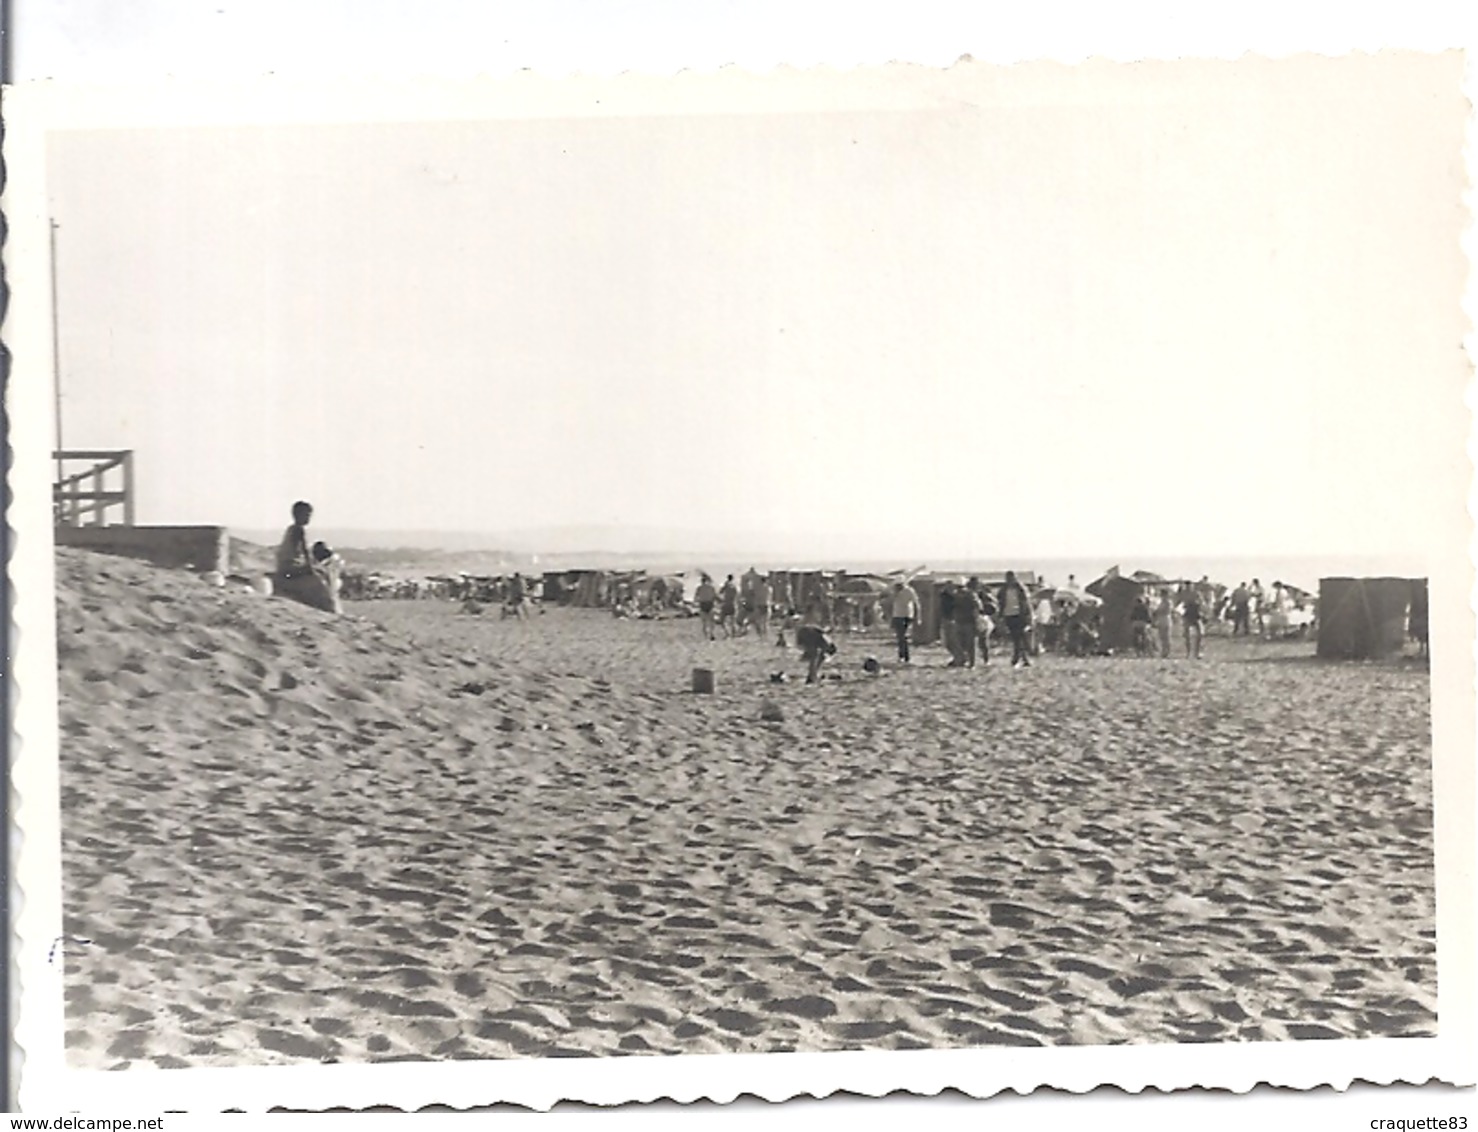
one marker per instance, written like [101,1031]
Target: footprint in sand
[294,1045]
[810,1006]
[737,1021]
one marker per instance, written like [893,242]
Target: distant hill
[481,541]
[411,559]
[250,558]
[553,548]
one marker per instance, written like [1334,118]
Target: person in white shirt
[1165,620]
[1257,593]
[905,612]
[1042,630]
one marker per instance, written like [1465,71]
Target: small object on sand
[871,666]
[472,607]
[703,681]
[770,712]
[779,678]
[213,578]
[508,723]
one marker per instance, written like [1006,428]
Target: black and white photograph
[914,559]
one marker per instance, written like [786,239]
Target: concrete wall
[191,548]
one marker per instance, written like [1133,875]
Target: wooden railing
[95,494]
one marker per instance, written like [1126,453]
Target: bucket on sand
[703,682]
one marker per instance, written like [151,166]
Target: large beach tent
[1366,618]
[1417,619]
[864,584]
[563,588]
[1302,596]
[1118,594]
[925,630]
[586,589]
[663,590]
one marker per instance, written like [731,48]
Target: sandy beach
[413,833]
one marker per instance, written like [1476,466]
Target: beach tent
[811,586]
[1364,618]
[1417,621]
[925,630]
[590,587]
[564,587]
[1118,594]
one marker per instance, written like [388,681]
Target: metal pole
[56,355]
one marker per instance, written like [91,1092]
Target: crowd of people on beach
[971,614]
[737,608]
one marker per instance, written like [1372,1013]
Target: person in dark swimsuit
[728,607]
[705,596]
[1191,617]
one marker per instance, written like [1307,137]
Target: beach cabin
[1367,618]
[1118,594]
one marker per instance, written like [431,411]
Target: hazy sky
[1219,316]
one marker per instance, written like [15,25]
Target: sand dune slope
[290,836]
